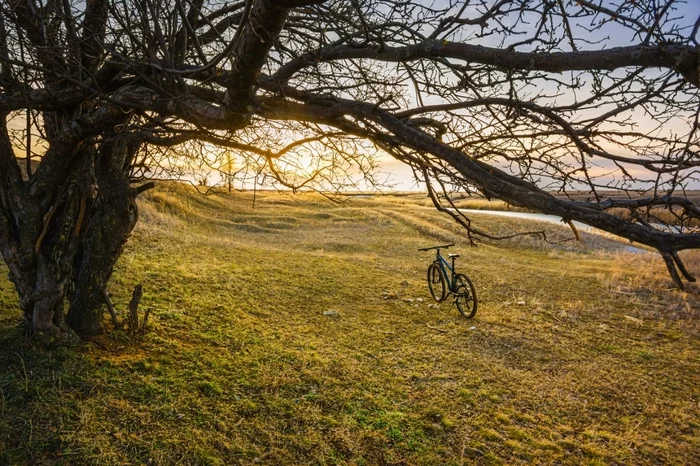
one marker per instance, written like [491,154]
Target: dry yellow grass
[579,354]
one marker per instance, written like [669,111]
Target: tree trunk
[112,218]
[68,252]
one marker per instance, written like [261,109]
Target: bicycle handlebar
[436,247]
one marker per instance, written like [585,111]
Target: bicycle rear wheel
[465,296]
[436,282]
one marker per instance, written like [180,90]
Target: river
[552,219]
[529,216]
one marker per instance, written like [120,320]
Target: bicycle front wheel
[436,282]
[465,296]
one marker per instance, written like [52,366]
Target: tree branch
[682,58]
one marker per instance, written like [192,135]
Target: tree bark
[68,252]
[113,216]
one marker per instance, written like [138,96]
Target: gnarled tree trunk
[66,251]
[113,215]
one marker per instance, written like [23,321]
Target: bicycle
[442,284]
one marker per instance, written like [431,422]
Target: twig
[145,187]
[110,308]
[435,328]
[134,309]
[574,229]
[624,293]
[145,320]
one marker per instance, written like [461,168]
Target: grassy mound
[579,354]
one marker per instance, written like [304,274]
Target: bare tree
[527,101]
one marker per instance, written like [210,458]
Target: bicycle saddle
[453,255]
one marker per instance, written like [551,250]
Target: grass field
[579,354]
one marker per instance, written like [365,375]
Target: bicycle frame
[444,267]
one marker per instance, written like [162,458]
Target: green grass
[579,354]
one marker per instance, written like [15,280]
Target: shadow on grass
[39,393]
